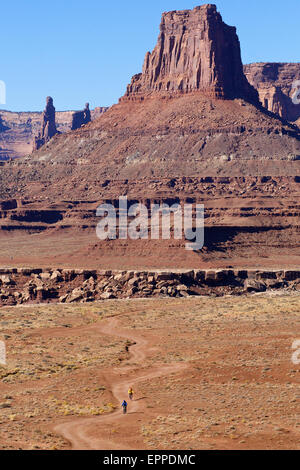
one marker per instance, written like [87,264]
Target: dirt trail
[78,432]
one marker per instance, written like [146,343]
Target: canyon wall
[249,222]
[275,83]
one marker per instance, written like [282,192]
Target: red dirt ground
[207,373]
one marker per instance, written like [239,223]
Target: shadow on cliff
[216,239]
[295,130]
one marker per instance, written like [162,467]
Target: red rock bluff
[195,51]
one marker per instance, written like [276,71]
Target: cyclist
[130,393]
[124,406]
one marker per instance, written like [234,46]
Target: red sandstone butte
[195,50]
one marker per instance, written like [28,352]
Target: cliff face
[17,130]
[195,51]
[274,82]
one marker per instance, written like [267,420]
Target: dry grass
[239,389]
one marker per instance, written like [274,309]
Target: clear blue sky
[87,50]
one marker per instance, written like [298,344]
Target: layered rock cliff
[195,51]
[180,145]
[277,85]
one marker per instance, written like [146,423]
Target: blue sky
[87,50]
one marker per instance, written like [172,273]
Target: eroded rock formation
[238,160]
[81,118]
[18,129]
[48,129]
[276,85]
[195,51]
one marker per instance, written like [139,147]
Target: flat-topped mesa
[195,51]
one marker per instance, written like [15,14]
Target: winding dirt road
[80,432]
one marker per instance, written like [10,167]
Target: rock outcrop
[18,129]
[276,86]
[81,118]
[21,286]
[48,129]
[195,51]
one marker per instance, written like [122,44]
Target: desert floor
[208,373]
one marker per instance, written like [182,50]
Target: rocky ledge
[23,285]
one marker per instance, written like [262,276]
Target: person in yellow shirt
[130,393]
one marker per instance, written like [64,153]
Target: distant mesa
[195,51]
[274,82]
[48,129]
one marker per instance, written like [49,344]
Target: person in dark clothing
[124,406]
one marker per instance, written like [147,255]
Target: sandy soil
[66,249]
[207,373]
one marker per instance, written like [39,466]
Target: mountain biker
[124,406]
[130,393]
